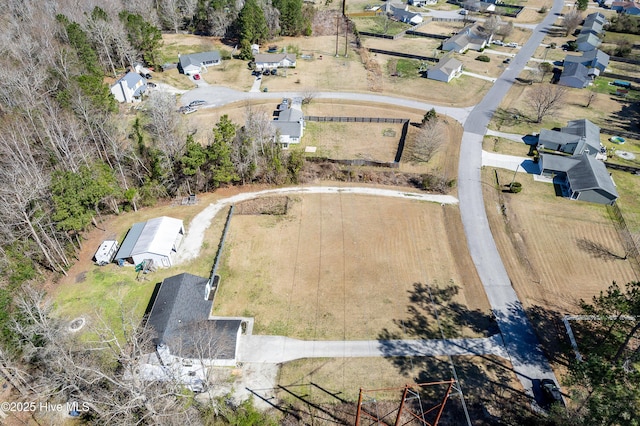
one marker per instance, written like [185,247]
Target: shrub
[483,58]
[543,9]
[553,45]
[515,187]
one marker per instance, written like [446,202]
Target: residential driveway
[480,76]
[526,355]
[277,349]
[509,162]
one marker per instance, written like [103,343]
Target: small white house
[106,252]
[156,239]
[445,70]
[129,88]
[270,61]
[196,63]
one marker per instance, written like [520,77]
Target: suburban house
[188,340]
[289,123]
[445,70]
[129,88]
[470,37]
[575,75]
[155,240]
[577,138]
[401,13]
[271,61]
[587,42]
[579,71]
[628,7]
[195,63]
[581,177]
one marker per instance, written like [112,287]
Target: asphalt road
[527,358]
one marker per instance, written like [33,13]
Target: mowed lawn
[342,267]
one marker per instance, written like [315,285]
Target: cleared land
[343,267]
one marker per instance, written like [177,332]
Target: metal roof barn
[156,239]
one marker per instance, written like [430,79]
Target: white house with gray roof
[157,239]
[581,177]
[129,88]
[470,37]
[271,61]
[445,70]
[289,124]
[195,63]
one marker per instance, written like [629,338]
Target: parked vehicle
[507,61]
[463,12]
[189,110]
[512,44]
[551,391]
[196,76]
[265,72]
[197,103]
[498,42]
[274,71]
[148,76]
[152,85]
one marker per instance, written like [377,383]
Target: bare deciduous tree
[428,140]
[491,25]
[591,96]
[598,250]
[546,99]
[571,20]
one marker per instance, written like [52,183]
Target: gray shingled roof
[589,174]
[447,65]
[553,136]
[180,317]
[198,59]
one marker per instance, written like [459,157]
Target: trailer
[106,252]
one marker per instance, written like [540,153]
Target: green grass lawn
[380,25]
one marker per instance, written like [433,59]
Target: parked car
[196,76]
[265,72]
[551,391]
[189,110]
[152,85]
[507,61]
[148,76]
[512,44]
[498,42]
[463,12]
[274,72]
[197,103]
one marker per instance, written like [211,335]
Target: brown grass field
[342,267]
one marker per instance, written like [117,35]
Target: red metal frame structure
[409,388]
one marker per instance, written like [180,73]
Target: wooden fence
[356,119]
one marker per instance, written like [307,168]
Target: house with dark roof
[400,12]
[470,37]
[577,138]
[575,75]
[272,61]
[628,7]
[445,70]
[129,88]
[289,123]
[181,318]
[588,42]
[581,177]
[155,240]
[579,71]
[195,63]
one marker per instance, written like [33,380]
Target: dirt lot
[342,267]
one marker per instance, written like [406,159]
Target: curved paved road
[527,358]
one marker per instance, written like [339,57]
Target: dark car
[551,391]
[148,76]
[265,72]
[151,84]
[197,103]
[274,72]
[507,61]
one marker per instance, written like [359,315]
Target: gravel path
[190,247]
